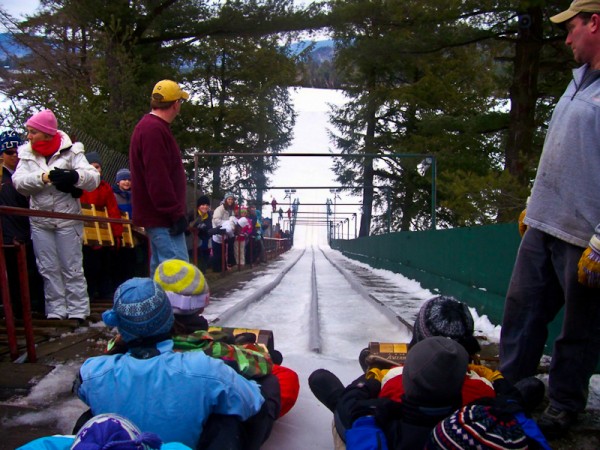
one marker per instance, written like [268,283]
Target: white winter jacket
[27,179]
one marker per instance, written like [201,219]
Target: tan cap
[168,91]
[578,6]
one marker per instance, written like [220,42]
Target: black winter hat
[447,317]
[93,157]
[202,200]
[434,372]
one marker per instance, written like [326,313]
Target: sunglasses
[10,152]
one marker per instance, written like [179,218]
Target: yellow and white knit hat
[184,284]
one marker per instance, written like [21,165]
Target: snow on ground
[308,424]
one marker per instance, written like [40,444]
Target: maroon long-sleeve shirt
[158,180]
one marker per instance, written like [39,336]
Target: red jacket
[473,389]
[103,196]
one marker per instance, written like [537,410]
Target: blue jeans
[164,246]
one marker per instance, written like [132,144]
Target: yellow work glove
[376,374]
[485,372]
[522,226]
[588,268]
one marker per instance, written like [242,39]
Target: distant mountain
[10,51]
[322,50]
[9,48]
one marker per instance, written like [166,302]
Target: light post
[329,222]
[355,221]
[422,168]
[288,194]
[336,195]
[388,194]
[348,225]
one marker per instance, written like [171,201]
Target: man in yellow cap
[558,263]
[158,177]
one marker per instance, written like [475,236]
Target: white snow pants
[59,259]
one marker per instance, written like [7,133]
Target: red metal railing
[273,247]
[23,278]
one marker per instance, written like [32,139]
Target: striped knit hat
[476,427]
[141,309]
[184,284]
[112,431]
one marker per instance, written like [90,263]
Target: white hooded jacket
[27,179]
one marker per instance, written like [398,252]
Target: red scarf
[47,148]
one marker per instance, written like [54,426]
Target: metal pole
[433,191]
[195,181]
[11,332]
[389,214]
[26,302]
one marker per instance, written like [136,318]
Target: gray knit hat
[447,317]
[93,157]
[434,372]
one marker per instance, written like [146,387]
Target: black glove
[358,399]
[63,177]
[76,192]
[179,226]
[364,408]
[62,187]
[217,230]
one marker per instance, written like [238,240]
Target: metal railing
[11,330]
[272,248]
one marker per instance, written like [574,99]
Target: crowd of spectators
[50,173]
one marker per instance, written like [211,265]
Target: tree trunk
[523,93]
[368,175]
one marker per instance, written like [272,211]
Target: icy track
[346,323]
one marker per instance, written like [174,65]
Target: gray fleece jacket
[565,200]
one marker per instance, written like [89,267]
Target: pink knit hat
[44,121]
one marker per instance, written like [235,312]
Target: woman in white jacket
[221,216]
[52,171]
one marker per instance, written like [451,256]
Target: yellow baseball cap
[168,91]
[578,6]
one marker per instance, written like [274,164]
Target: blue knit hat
[9,139]
[106,431]
[227,195]
[123,174]
[141,309]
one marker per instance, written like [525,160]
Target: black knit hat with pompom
[446,316]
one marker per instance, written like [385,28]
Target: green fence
[473,264]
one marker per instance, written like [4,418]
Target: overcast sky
[18,8]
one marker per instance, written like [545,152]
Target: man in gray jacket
[558,263]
